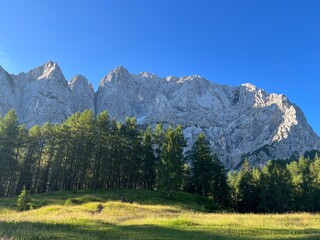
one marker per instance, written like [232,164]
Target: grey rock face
[82,94]
[7,92]
[238,121]
[43,95]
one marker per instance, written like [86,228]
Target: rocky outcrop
[82,94]
[43,95]
[238,121]
[7,92]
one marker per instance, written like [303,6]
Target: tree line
[88,152]
[277,187]
[96,152]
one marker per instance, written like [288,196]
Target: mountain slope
[42,95]
[238,121]
[7,92]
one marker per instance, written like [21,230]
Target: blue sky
[274,44]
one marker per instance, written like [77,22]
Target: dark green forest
[96,152]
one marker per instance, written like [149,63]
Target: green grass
[143,215]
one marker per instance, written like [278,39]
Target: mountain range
[238,121]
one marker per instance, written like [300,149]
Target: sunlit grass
[100,215]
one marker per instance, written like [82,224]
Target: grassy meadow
[143,215]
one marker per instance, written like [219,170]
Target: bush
[23,201]
[68,202]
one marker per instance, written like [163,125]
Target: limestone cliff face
[237,121]
[7,92]
[42,95]
[82,94]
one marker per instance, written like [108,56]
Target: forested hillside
[88,152]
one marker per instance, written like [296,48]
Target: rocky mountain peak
[82,94]
[80,81]
[148,75]
[50,70]
[5,76]
[120,70]
[116,76]
[239,122]
[249,86]
[190,78]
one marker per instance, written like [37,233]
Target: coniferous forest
[96,152]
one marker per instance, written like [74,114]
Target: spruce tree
[10,146]
[221,189]
[158,136]
[148,160]
[275,187]
[102,159]
[203,167]
[171,164]
[247,197]
[315,176]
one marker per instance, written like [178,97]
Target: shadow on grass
[103,230]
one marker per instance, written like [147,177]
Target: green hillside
[142,215]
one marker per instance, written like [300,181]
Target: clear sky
[274,44]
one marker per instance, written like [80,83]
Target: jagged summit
[115,76]
[50,70]
[120,69]
[249,86]
[82,94]
[79,80]
[50,64]
[148,75]
[238,121]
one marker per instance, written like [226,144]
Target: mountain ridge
[237,120]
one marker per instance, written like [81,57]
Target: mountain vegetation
[88,152]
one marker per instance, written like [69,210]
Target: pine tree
[303,188]
[179,160]
[31,163]
[148,160]
[48,154]
[102,159]
[158,149]
[221,189]
[247,198]
[10,152]
[85,127]
[203,167]
[233,182]
[315,176]
[116,151]
[132,164]
[275,187]
[172,159]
